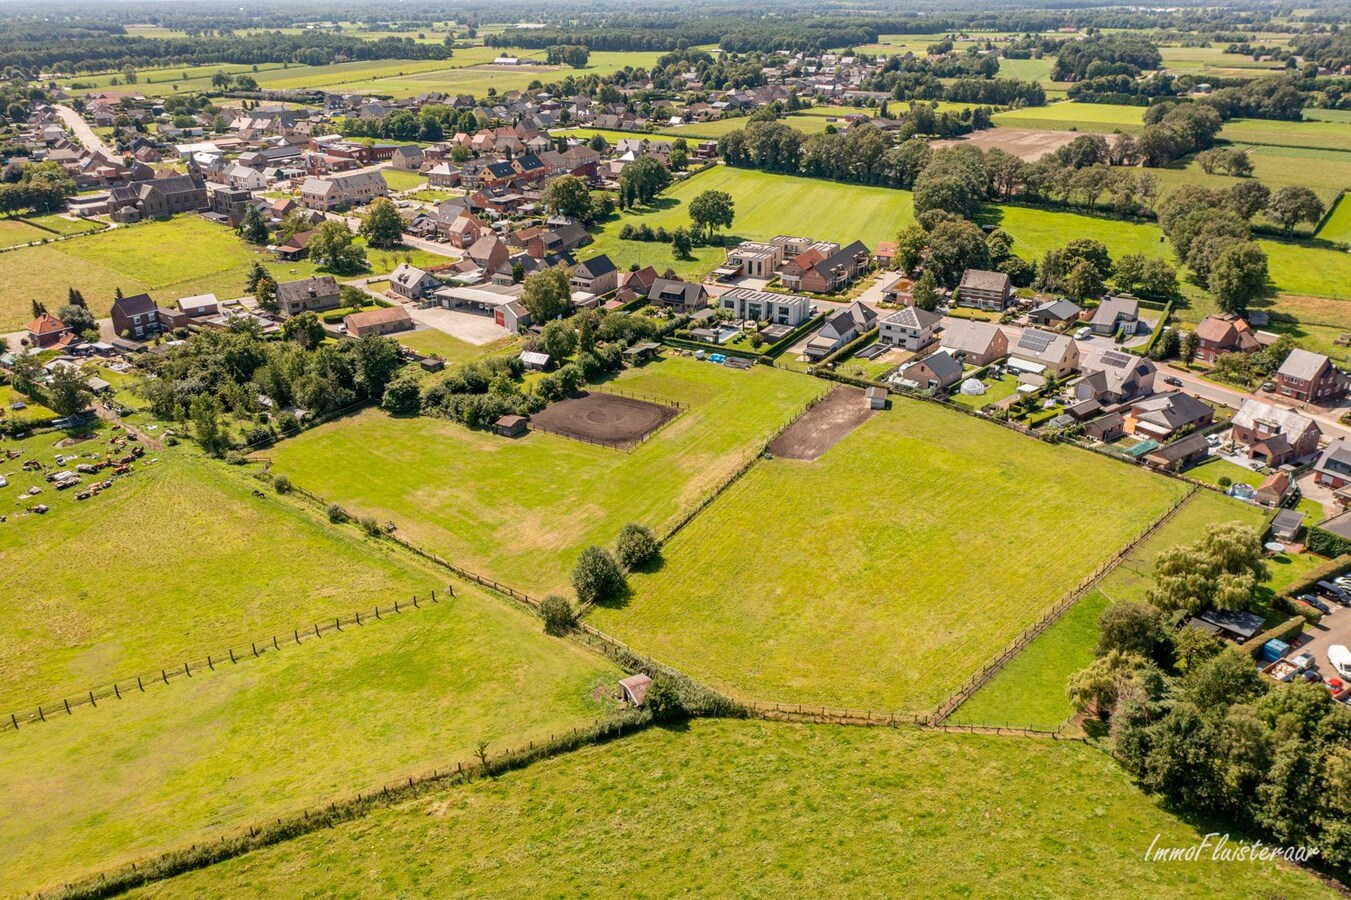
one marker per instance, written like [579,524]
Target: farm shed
[634,688]
[510,426]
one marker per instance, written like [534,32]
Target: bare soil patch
[823,426]
[598,418]
[1028,144]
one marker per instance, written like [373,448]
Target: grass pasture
[1326,172]
[174,562]
[522,510]
[1314,134]
[1068,115]
[885,572]
[207,756]
[1337,226]
[794,810]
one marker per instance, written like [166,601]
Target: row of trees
[41,187]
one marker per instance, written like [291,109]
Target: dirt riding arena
[1028,144]
[823,426]
[605,419]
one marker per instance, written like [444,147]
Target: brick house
[46,330]
[1333,469]
[937,371]
[1310,378]
[315,294]
[157,198]
[388,320]
[975,343]
[136,317]
[837,271]
[341,191]
[1223,333]
[1274,434]
[985,290]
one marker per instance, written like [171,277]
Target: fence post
[67,702]
[117,692]
[209,664]
[254,645]
[91,699]
[297,634]
[186,670]
[165,675]
[232,654]
[139,685]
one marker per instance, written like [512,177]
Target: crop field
[176,560]
[1214,61]
[178,258]
[1318,135]
[1325,172]
[1068,115]
[522,510]
[291,729]
[1337,226]
[794,811]
[940,531]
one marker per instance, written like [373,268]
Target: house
[935,372]
[313,294]
[885,253]
[297,246]
[512,316]
[681,296]
[900,291]
[764,306]
[411,283]
[510,426]
[985,290]
[840,328]
[199,306]
[408,158]
[1224,333]
[875,397]
[386,320]
[566,238]
[1273,434]
[341,191]
[462,231]
[1164,415]
[135,317]
[634,689]
[1056,312]
[837,271]
[1180,454]
[1333,469]
[1310,378]
[752,259]
[243,178]
[912,328]
[46,330]
[1115,313]
[1116,377]
[1286,524]
[1106,428]
[489,252]
[1044,353]
[443,175]
[975,343]
[595,276]
[157,198]
[1274,489]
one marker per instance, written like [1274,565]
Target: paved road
[83,133]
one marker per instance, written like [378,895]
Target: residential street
[83,133]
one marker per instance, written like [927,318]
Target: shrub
[597,577]
[663,701]
[281,484]
[370,526]
[235,458]
[336,514]
[1225,482]
[636,545]
[557,614]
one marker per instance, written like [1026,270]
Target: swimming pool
[718,358]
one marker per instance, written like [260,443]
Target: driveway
[1334,629]
[471,327]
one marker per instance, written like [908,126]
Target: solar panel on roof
[1116,359]
[1036,341]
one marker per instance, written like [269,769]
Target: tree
[75,298]
[305,329]
[663,701]
[79,318]
[925,292]
[643,179]
[1248,198]
[403,396]
[1221,571]
[204,412]
[557,614]
[333,247]
[954,247]
[1084,281]
[1129,627]
[265,292]
[1293,204]
[568,195]
[25,372]
[910,246]
[558,339]
[597,578]
[547,294]
[1238,276]
[66,393]
[1099,686]
[381,225]
[681,244]
[377,359]
[253,228]
[712,210]
[637,546]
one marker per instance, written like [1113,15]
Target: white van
[1340,658]
[1083,334]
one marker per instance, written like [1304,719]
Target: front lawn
[885,572]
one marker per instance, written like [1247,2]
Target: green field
[522,510]
[1337,226]
[1068,115]
[172,563]
[402,180]
[793,810]
[1029,692]
[432,341]
[1326,172]
[885,572]
[171,259]
[1315,134]
[15,230]
[350,712]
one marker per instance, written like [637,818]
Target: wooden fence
[138,684]
[990,669]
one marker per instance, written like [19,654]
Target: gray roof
[1302,364]
[1113,308]
[969,335]
[1287,420]
[600,265]
[1059,309]
[944,365]
[317,286]
[982,280]
[914,317]
[1172,409]
[1183,447]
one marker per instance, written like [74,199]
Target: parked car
[1173,380]
[1083,334]
[1340,659]
[1268,386]
[1316,603]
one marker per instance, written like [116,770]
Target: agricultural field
[1068,115]
[1214,61]
[522,510]
[160,574]
[941,575]
[1326,172]
[291,729]
[1337,226]
[178,258]
[1317,135]
[952,811]
[807,124]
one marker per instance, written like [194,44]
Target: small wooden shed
[510,426]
